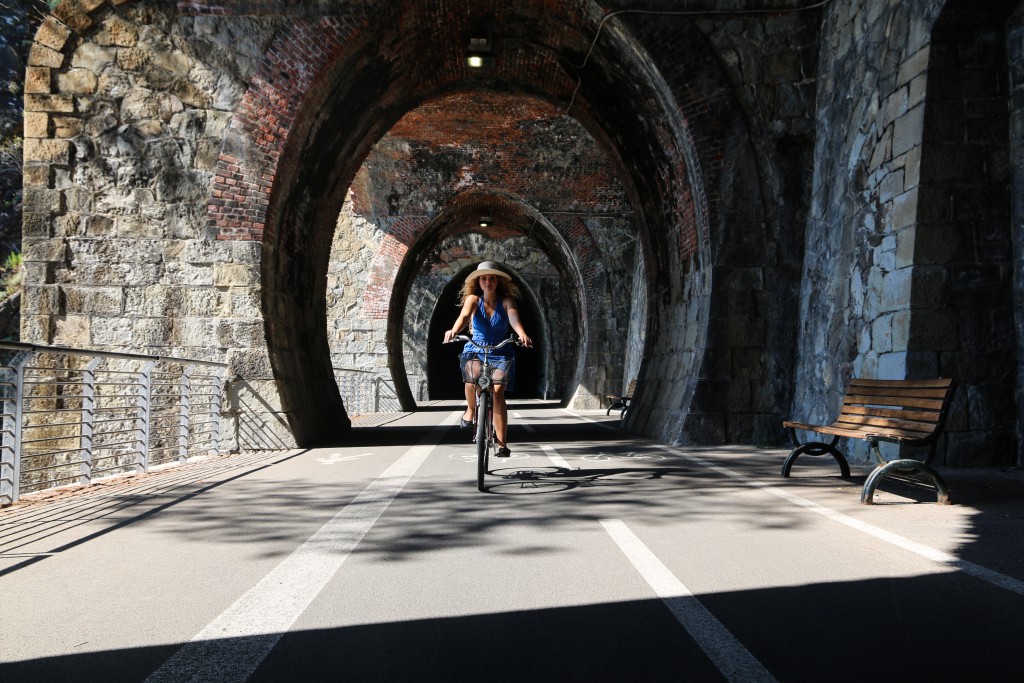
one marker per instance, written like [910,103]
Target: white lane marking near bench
[614,424]
[943,558]
[233,645]
[718,643]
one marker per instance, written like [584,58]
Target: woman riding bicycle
[489,302]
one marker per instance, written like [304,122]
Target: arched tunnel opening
[426,295]
[443,359]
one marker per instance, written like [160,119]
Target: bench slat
[834,430]
[914,415]
[926,403]
[857,421]
[837,430]
[924,392]
[630,390]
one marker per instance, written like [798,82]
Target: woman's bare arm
[513,319]
[464,315]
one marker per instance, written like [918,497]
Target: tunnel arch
[442,360]
[297,227]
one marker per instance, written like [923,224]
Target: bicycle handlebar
[461,337]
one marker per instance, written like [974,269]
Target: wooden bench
[905,412]
[621,402]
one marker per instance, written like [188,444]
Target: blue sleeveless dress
[490,331]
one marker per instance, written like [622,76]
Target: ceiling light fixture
[485,221]
[479,54]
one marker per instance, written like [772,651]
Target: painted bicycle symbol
[471,457]
[601,457]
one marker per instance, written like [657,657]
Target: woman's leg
[470,402]
[500,414]
[471,370]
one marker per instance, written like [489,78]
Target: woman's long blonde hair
[505,288]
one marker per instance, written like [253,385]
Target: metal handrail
[365,391]
[150,413]
[92,353]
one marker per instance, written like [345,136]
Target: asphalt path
[592,556]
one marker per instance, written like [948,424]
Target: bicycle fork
[489,412]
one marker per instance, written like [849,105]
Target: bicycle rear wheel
[483,420]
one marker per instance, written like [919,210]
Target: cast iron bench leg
[903,466]
[906,466]
[815,448]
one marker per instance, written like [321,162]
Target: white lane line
[555,457]
[233,645]
[607,424]
[943,558]
[722,648]
[525,425]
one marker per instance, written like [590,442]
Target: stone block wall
[855,293]
[125,113]
[908,245]
[356,330]
[1015,58]
[855,296]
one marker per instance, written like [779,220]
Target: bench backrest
[907,408]
[631,389]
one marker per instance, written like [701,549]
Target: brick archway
[364,95]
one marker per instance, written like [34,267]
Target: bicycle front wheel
[482,421]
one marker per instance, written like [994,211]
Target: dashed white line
[554,456]
[525,425]
[606,424]
[722,648]
[236,642]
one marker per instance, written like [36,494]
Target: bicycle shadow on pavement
[554,479]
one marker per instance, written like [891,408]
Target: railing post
[145,414]
[88,405]
[8,453]
[184,403]
[10,459]
[223,386]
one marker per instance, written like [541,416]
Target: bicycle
[483,375]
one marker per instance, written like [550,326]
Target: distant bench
[907,412]
[621,401]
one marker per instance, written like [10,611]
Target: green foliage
[11,275]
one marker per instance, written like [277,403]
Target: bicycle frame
[483,418]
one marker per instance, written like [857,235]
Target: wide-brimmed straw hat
[488,268]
